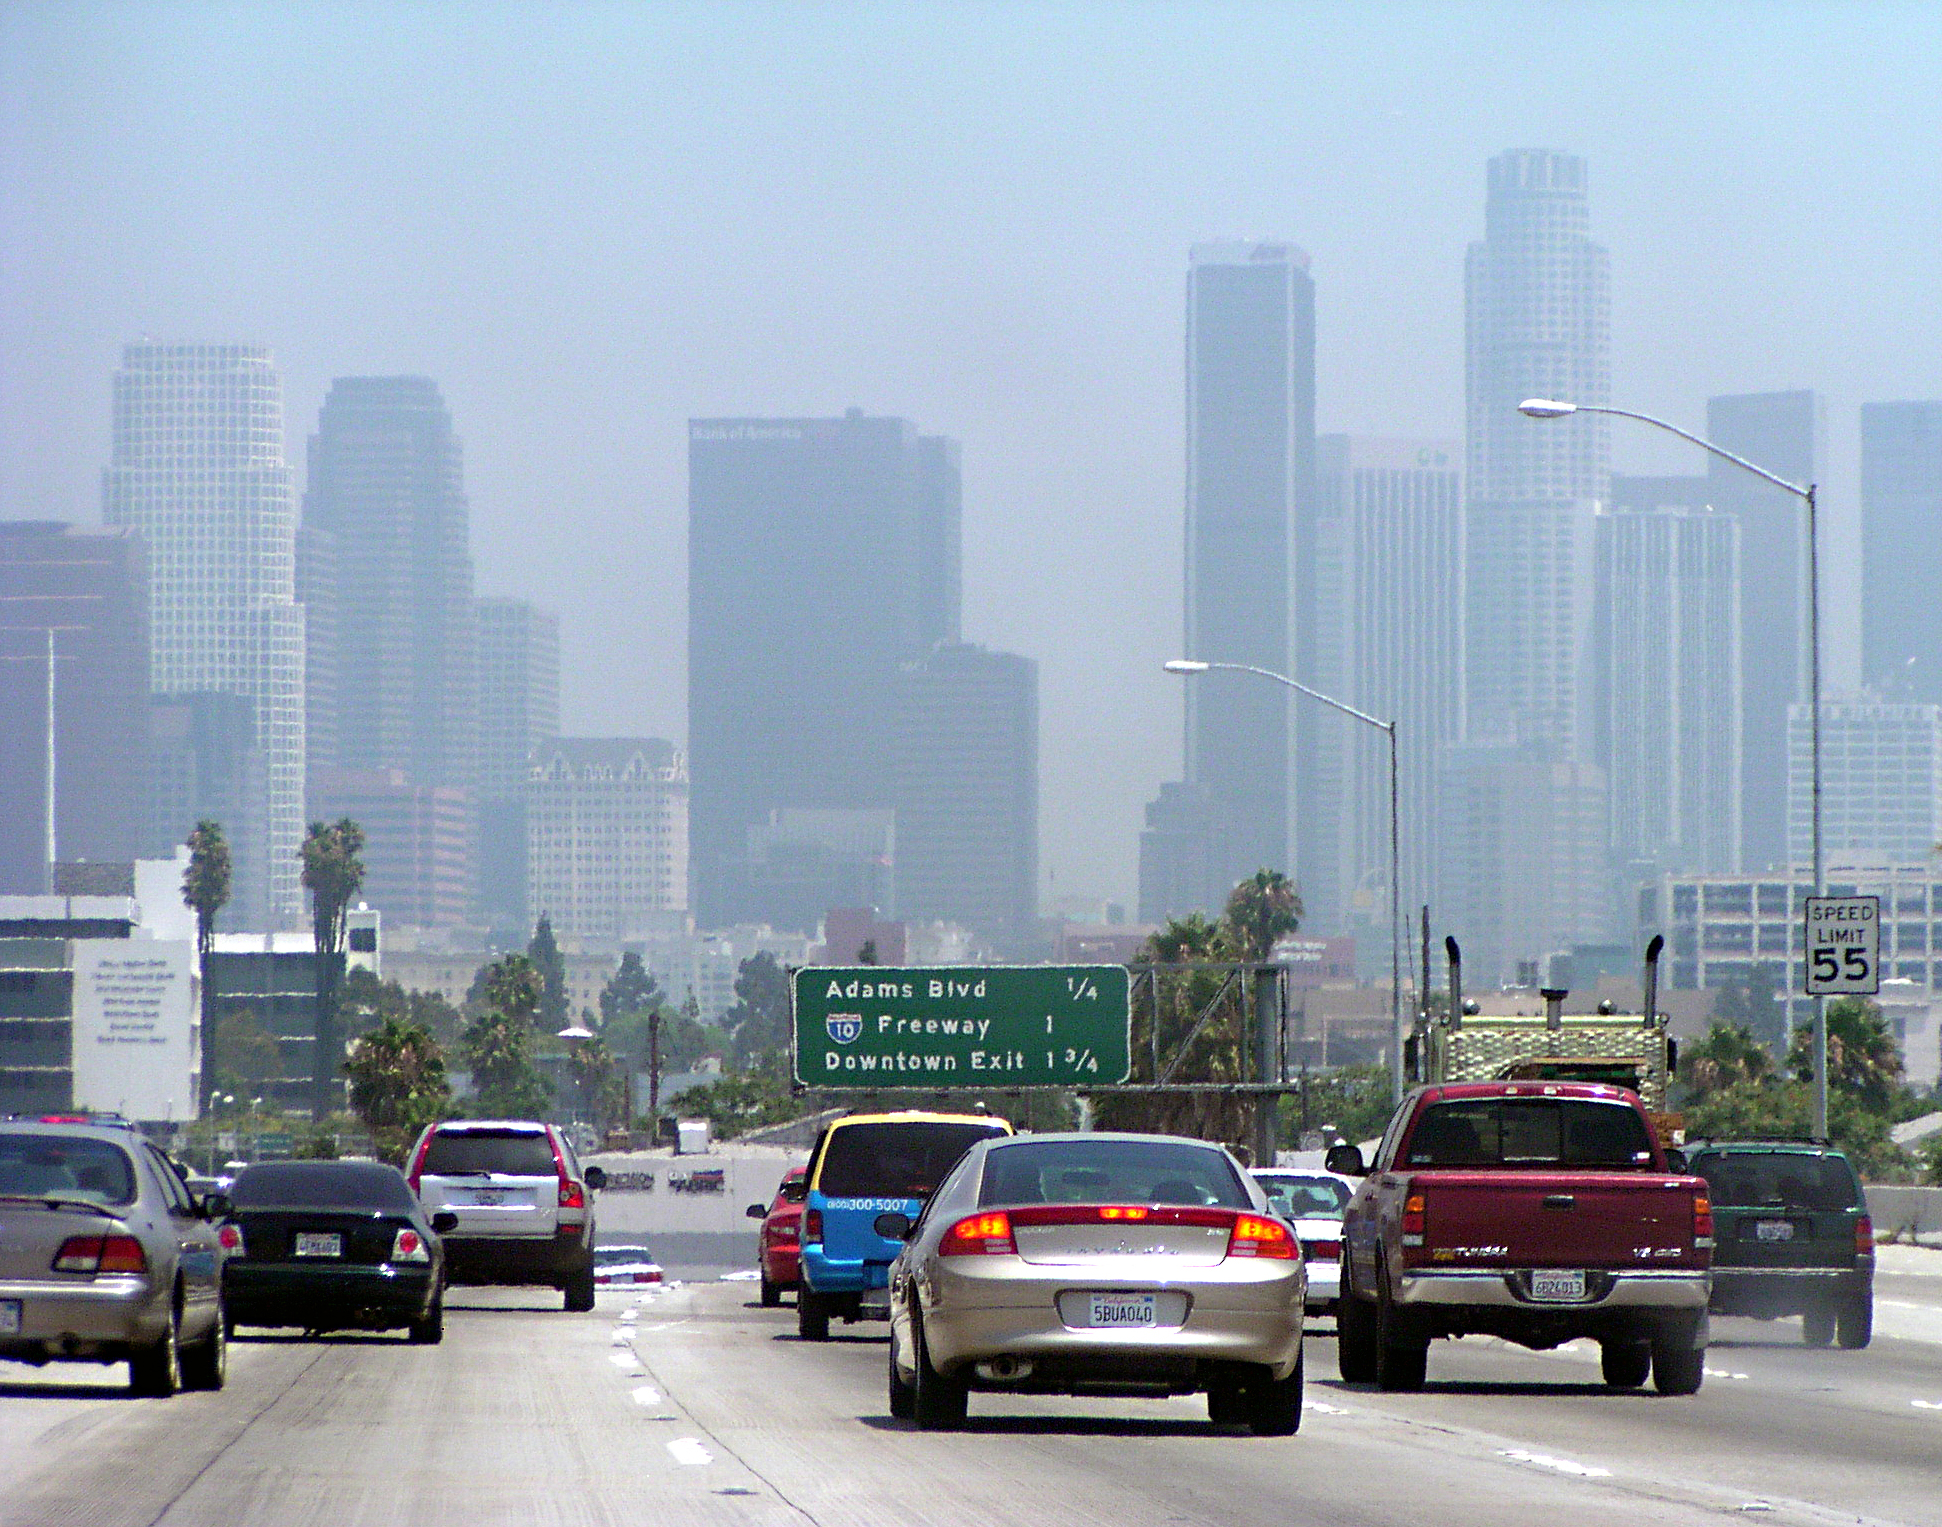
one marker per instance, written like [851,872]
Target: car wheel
[771,1293]
[579,1291]
[206,1364]
[1355,1340]
[1678,1366]
[155,1371]
[1817,1326]
[1274,1405]
[430,1331]
[1402,1354]
[939,1402]
[1625,1363]
[903,1395]
[812,1315]
[1855,1325]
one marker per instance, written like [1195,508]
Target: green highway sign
[868,1026]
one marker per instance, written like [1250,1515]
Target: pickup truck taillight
[1864,1237]
[812,1225]
[1415,1218]
[1702,1220]
[982,1235]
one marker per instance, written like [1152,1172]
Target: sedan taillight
[231,1237]
[1322,1251]
[1256,1235]
[982,1235]
[101,1253]
[409,1246]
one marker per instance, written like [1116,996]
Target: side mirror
[596,1178]
[445,1222]
[892,1226]
[1676,1160]
[216,1206]
[756,1211]
[1345,1161]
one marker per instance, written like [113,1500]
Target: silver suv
[524,1204]
[105,1257]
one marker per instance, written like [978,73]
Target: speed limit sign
[1843,945]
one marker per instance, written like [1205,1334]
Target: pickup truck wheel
[1678,1367]
[1355,1339]
[1817,1326]
[1625,1363]
[812,1315]
[939,1402]
[1402,1356]
[1855,1325]
[1274,1405]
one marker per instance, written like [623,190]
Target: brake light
[409,1246]
[1124,1211]
[1864,1237]
[982,1235]
[572,1195]
[1322,1251]
[1702,1220]
[101,1253]
[812,1224]
[1255,1235]
[230,1237]
[1415,1219]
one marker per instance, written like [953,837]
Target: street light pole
[1550,408]
[1185,665]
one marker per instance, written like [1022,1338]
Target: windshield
[1785,1180]
[65,1166]
[1111,1171]
[900,1160]
[512,1153]
[1305,1197]
[323,1185]
[1533,1132]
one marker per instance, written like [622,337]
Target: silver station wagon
[1109,1264]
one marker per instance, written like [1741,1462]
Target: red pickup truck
[1538,1212]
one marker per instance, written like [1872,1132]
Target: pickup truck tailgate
[1555,1219]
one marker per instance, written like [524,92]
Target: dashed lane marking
[1721,1373]
[647,1394]
[689,1450]
[1326,1410]
[1556,1465]
[1926,1404]
[623,1359]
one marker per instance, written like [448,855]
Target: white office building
[607,835]
[1881,781]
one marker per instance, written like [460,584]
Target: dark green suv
[1792,1236]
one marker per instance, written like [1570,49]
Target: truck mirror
[1345,1161]
[1676,1160]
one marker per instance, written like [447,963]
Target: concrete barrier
[1908,1214]
[630,1207]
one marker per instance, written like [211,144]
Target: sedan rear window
[1305,1197]
[1784,1180]
[906,1160]
[469,1153]
[65,1166]
[1110,1172]
[1533,1132]
[323,1185]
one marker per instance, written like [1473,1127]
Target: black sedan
[333,1245]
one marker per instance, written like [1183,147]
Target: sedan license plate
[318,1243]
[1774,1230]
[1558,1287]
[9,1317]
[1113,1311]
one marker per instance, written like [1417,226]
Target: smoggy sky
[591,222]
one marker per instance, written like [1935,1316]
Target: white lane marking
[1556,1465]
[628,1317]
[1721,1373]
[669,1325]
[1326,1410]
[690,1451]
[747,1275]
[647,1394]
[623,1359]
[1926,1404]
[621,1337]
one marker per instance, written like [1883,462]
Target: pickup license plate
[319,1243]
[1774,1229]
[1113,1311]
[1558,1287]
[9,1317]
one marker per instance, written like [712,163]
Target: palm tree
[1262,910]
[1863,1058]
[205,891]
[1727,1056]
[332,873]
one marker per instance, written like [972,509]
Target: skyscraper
[1389,640]
[198,470]
[519,709]
[822,555]
[73,629]
[1249,560]
[1668,644]
[607,833]
[1881,781]
[966,793]
[1784,432]
[1901,549]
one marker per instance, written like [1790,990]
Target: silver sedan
[1097,1264]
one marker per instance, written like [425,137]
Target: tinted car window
[1785,1179]
[515,1153]
[323,1185]
[620,1256]
[1311,1197]
[67,1165]
[1534,1132]
[1110,1171]
[905,1160]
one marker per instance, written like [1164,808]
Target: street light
[1551,408]
[1188,666]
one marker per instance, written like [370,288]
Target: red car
[781,1247]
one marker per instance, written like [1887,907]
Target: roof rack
[1821,1140]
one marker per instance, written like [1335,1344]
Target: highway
[693,1405]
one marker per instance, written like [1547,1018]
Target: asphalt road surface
[693,1405]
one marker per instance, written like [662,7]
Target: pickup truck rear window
[1529,1132]
[1783,1180]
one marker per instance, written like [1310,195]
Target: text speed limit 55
[1843,945]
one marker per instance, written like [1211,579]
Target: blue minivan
[863,1166]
